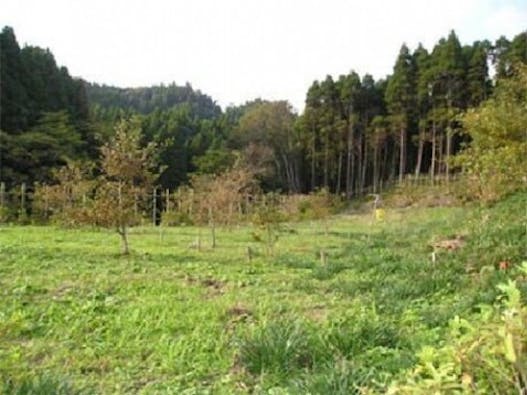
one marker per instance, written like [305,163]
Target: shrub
[495,161]
[487,354]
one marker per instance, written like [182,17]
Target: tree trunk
[393,164]
[359,165]
[441,152]
[288,175]
[296,175]
[383,173]
[349,162]
[402,153]
[364,166]
[448,153]
[375,165]
[213,234]
[313,164]
[326,160]
[292,172]
[419,155]
[123,232]
[434,149]
[339,173]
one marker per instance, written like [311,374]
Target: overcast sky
[237,50]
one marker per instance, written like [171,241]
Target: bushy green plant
[495,161]
[4,214]
[352,336]
[268,218]
[484,354]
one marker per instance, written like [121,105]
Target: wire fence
[30,203]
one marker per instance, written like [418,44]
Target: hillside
[147,99]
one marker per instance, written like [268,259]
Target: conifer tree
[400,99]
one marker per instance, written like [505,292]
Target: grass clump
[339,378]
[39,385]
[279,348]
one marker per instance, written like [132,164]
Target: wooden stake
[323,258]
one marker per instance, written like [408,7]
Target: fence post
[167,197]
[154,207]
[23,197]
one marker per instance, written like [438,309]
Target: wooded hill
[355,132]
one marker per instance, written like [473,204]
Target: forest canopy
[355,133]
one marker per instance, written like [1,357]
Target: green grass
[75,316]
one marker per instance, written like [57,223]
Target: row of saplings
[117,193]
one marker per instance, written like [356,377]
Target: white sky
[237,50]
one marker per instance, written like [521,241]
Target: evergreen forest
[354,134]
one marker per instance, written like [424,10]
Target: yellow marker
[380,214]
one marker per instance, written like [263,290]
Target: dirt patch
[239,311]
[205,282]
[237,314]
[239,374]
[317,313]
[450,244]
[62,290]
[212,283]
[214,287]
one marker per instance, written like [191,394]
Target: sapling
[110,199]
[216,195]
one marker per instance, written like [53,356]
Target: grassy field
[77,316]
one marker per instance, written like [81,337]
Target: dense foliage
[146,100]
[44,113]
[355,134]
[495,162]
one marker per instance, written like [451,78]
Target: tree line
[355,132]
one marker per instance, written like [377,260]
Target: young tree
[126,176]
[218,198]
